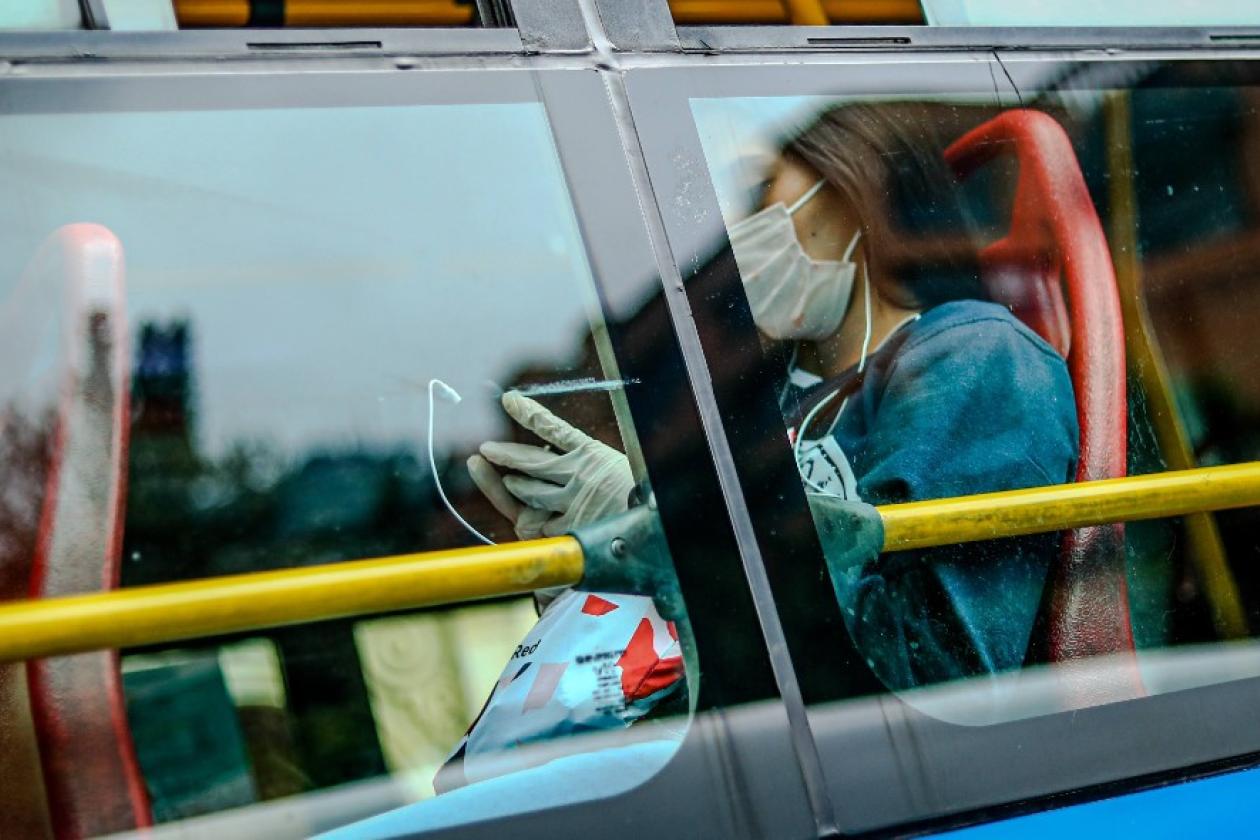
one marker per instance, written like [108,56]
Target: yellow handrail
[170,612]
[1036,510]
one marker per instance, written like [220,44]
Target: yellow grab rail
[173,611]
[1013,513]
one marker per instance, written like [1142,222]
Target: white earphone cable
[453,395]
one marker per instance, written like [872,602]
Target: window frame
[908,39]
[235,44]
[653,29]
[572,27]
[748,742]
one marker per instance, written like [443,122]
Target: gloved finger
[540,494]
[490,483]
[557,526]
[532,460]
[530,524]
[534,416]
[522,457]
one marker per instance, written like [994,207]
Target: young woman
[904,383]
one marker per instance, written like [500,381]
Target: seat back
[1055,244]
[91,776]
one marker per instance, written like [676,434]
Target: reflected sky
[330,261]
[742,136]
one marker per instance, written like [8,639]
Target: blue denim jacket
[966,399]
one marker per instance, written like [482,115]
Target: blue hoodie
[965,399]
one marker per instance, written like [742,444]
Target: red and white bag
[593,662]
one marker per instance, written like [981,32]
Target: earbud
[445,391]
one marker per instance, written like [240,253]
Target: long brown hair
[888,160]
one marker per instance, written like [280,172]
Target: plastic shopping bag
[593,662]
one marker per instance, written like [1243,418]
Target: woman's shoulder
[980,352]
[976,326]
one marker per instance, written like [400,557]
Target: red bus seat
[91,776]
[1056,242]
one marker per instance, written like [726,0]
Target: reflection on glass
[902,381]
[295,279]
[913,305]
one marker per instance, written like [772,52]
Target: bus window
[1079,13]
[960,13]
[794,12]
[195,14]
[320,313]
[168,15]
[925,290]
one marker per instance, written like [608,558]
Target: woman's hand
[560,490]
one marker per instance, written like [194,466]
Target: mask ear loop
[452,396]
[866,339]
[809,193]
[866,346]
[848,251]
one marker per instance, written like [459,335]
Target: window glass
[307,319]
[965,13]
[893,313]
[1004,418]
[41,14]
[194,14]
[804,13]
[1081,13]
[141,15]
[167,15]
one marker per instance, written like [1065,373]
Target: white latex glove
[582,482]
[527,522]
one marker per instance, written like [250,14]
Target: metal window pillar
[94,14]
[567,26]
[494,13]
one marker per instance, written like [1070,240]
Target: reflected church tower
[162,383]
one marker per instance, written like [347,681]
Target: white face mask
[792,296]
